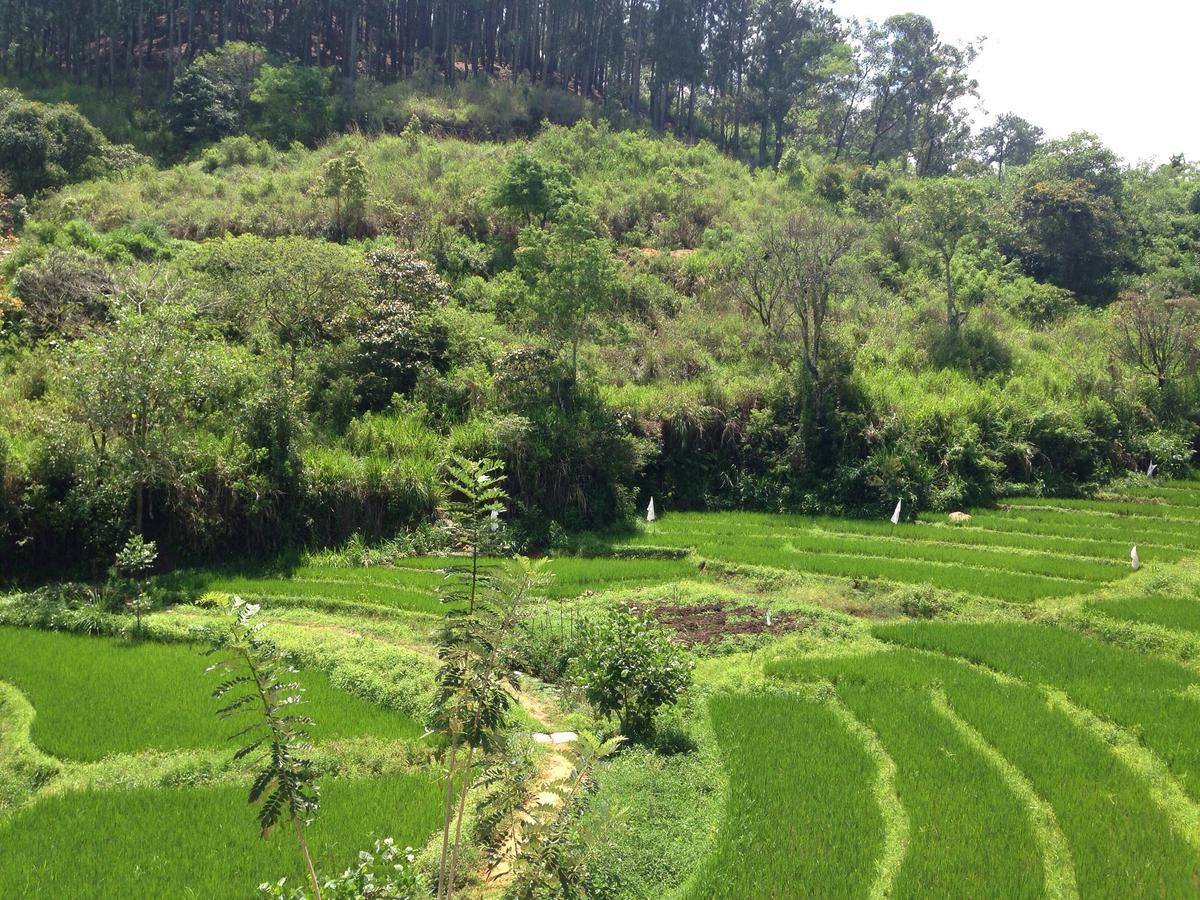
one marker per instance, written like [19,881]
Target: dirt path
[541,709]
[555,767]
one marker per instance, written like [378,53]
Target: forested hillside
[757,78]
[808,286]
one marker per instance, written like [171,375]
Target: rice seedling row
[1066,558]
[1000,584]
[1110,508]
[968,536]
[800,811]
[969,835]
[1098,803]
[268,589]
[978,557]
[98,696]
[1151,697]
[1174,496]
[197,841]
[1180,614]
[414,589]
[1035,522]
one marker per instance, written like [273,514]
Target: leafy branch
[285,785]
[471,703]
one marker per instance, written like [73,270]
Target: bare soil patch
[702,623]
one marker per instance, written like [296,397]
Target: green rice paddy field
[1039,737]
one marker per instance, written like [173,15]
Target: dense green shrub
[401,333]
[199,112]
[239,150]
[293,104]
[629,667]
[63,293]
[44,146]
[976,350]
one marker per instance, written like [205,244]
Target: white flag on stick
[650,516]
[896,514]
[1134,561]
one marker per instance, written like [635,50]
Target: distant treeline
[756,76]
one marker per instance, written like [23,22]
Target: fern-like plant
[258,691]
[471,702]
[549,848]
[506,793]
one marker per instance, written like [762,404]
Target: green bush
[293,104]
[629,667]
[44,146]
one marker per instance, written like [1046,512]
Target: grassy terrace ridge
[121,697]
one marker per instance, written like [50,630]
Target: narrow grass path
[23,768]
[1058,871]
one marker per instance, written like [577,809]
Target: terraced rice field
[411,585]
[196,842]
[800,805]
[114,707]
[153,697]
[1007,751]
[1006,758]
[1182,614]
[1026,550]
[1055,795]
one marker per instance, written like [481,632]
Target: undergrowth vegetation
[316,330]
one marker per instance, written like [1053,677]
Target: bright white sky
[1125,70]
